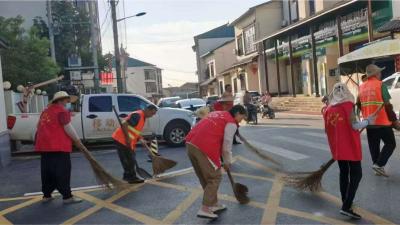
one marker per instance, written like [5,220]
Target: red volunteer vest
[51,136]
[371,99]
[134,133]
[208,135]
[344,141]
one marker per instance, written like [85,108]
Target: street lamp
[137,15]
[116,45]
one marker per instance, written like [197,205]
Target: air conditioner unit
[284,23]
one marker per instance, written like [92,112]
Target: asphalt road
[298,141]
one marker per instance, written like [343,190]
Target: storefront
[302,58]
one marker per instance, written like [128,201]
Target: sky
[164,36]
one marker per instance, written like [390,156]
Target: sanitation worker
[372,95]
[125,139]
[54,139]
[344,139]
[208,142]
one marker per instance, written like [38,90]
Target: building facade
[142,78]
[186,90]
[256,22]
[301,58]
[5,150]
[206,42]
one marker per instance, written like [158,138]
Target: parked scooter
[266,111]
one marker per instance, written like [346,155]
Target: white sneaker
[72,200]
[218,208]
[204,214]
[379,170]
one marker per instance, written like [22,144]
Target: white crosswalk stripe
[308,144]
[319,135]
[279,151]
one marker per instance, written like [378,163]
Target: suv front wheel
[175,133]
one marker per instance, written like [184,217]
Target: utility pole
[51,32]
[94,40]
[116,47]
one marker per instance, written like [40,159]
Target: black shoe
[350,213]
[136,180]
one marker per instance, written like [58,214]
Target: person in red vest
[125,139]
[341,127]
[208,142]
[372,95]
[54,139]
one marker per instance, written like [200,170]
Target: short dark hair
[151,107]
[227,85]
[238,109]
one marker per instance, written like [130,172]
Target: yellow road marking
[181,208]
[364,213]
[20,206]
[96,208]
[14,199]
[82,215]
[4,221]
[253,177]
[274,198]
[121,210]
[322,219]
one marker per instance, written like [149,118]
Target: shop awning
[209,81]
[375,50]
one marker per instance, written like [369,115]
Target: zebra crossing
[297,145]
[273,144]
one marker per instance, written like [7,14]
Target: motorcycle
[265,110]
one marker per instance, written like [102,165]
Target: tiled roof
[132,62]
[219,32]
[391,26]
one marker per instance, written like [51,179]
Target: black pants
[128,161]
[350,177]
[375,135]
[56,173]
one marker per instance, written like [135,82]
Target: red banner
[106,78]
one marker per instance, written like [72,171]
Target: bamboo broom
[102,176]
[311,181]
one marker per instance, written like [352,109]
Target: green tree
[27,58]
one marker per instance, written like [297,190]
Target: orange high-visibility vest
[134,133]
[371,99]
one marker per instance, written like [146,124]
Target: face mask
[68,106]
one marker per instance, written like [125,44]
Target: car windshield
[190,102]
[389,82]
[169,102]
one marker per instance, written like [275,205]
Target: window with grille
[211,68]
[150,74]
[151,87]
[249,39]
[240,48]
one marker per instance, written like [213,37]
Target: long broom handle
[228,171]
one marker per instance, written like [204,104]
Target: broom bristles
[102,176]
[161,164]
[308,181]
[257,151]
